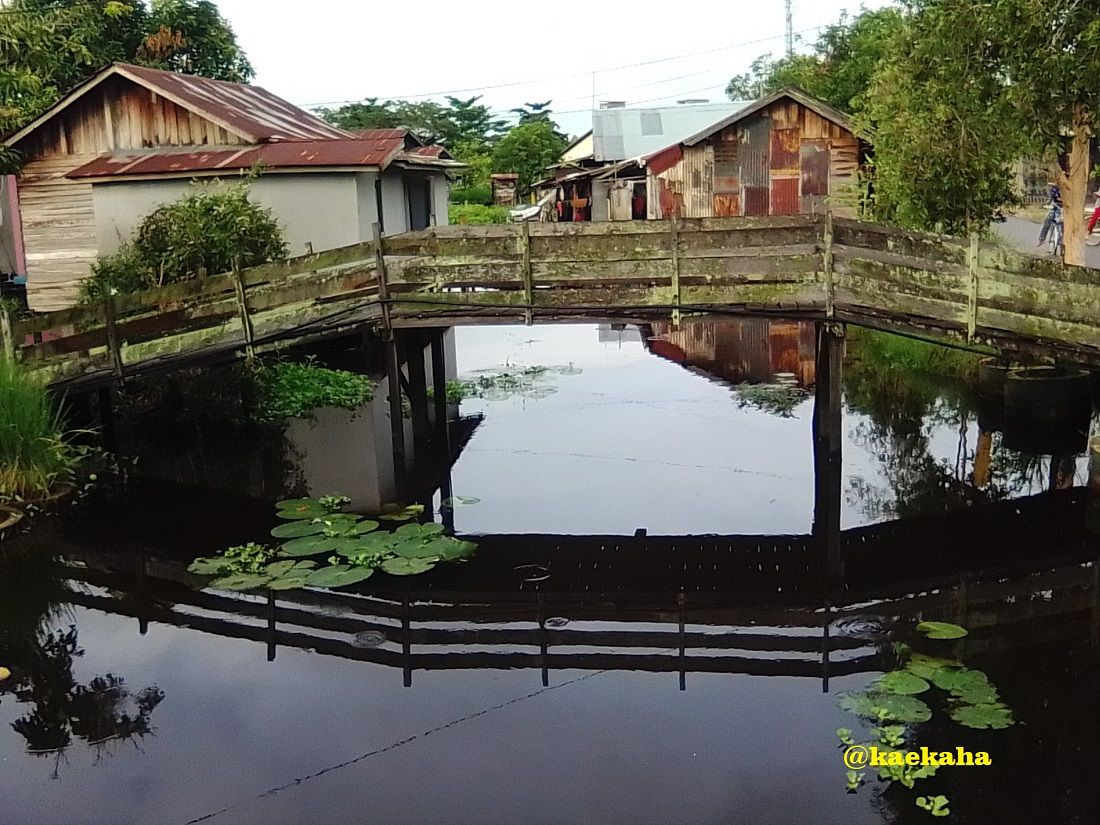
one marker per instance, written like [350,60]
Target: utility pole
[790,28]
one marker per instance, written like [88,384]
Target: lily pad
[995,716]
[371,543]
[900,682]
[458,501]
[297,529]
[309,546]
[407,567]
[210,566]
[240,581]
[398,512]
[279,568]
[305,512]
[292,581]
[452,549]
[416,549]
[339,575]
[885,707]
[941,630]
[365,526]
[926,666]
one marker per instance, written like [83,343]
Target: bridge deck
[813,266]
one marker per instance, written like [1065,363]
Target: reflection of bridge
[809,265]
[756,605]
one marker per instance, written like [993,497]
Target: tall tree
[845,57]
[972,87]
[944,144]
[49,46]
[529,150]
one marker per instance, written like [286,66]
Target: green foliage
[993,715]
[34,450]
[529,150]
[778,399]
[892,736]
[900,682]
[473,195]
[49,46]
[884,707]
[192,37]
[289,389]
[935,805]
[459,121]
[317,527]
[939,117]
[941,630]
[845,736]
[853,779]
[203,233]
[528,382]
[476,214]
[846,56]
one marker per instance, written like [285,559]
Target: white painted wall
[320,209]
[394,205]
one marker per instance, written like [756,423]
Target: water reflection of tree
[908,389]
[60,710]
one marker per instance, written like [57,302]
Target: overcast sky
[334,51]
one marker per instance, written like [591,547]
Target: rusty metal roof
[286,155]
[252,113]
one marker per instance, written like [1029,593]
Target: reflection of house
[131,139]
[752,350]
[785,154]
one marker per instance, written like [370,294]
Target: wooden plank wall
[59,229]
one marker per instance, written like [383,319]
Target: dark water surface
[559,678]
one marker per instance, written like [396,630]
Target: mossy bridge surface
[813,266]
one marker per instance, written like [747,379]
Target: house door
[419,193]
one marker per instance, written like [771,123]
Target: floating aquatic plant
[886,707]
[901,682]
[355,547]
[935,805]
[941,630]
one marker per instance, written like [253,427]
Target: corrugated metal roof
[824,109]
[290,154]
[618,134]
[250,112]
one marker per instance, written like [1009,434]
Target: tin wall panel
[727,205]
[756,200]
[755,139]
[785,152]
[784,196]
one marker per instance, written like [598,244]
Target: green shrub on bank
[200,234]
[292,390]
[33,450]
[482,195]
[477,214]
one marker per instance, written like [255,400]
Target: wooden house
[131,139]
[785,154]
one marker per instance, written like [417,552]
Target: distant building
[785,154]
[131,139]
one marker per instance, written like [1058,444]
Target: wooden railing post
[380,267]
[674,230]
[6,334]
[528,280]
[972,291]
[829,266]
[242,309]
[114,346]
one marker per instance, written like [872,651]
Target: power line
[586,73]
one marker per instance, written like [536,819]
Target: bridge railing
[856,271]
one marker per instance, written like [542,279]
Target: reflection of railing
[659,634]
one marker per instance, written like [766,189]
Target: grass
[34,452]
[474,213]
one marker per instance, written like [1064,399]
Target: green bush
[482,195]
[33,450]
[200,234]
[477,214]
[292,390]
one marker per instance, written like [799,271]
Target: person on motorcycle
[1095,213]
[1054,208]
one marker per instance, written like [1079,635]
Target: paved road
[1025,233]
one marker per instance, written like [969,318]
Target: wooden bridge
[811,266]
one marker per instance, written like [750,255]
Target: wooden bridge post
[439,390]
[242,310]
[829,266]
[528,278]
[114,346]
[6,333]
[397,414]
[828,450]
[674,230]
[972,288]
[418,396]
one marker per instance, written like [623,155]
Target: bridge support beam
[397,415]
[828,459]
